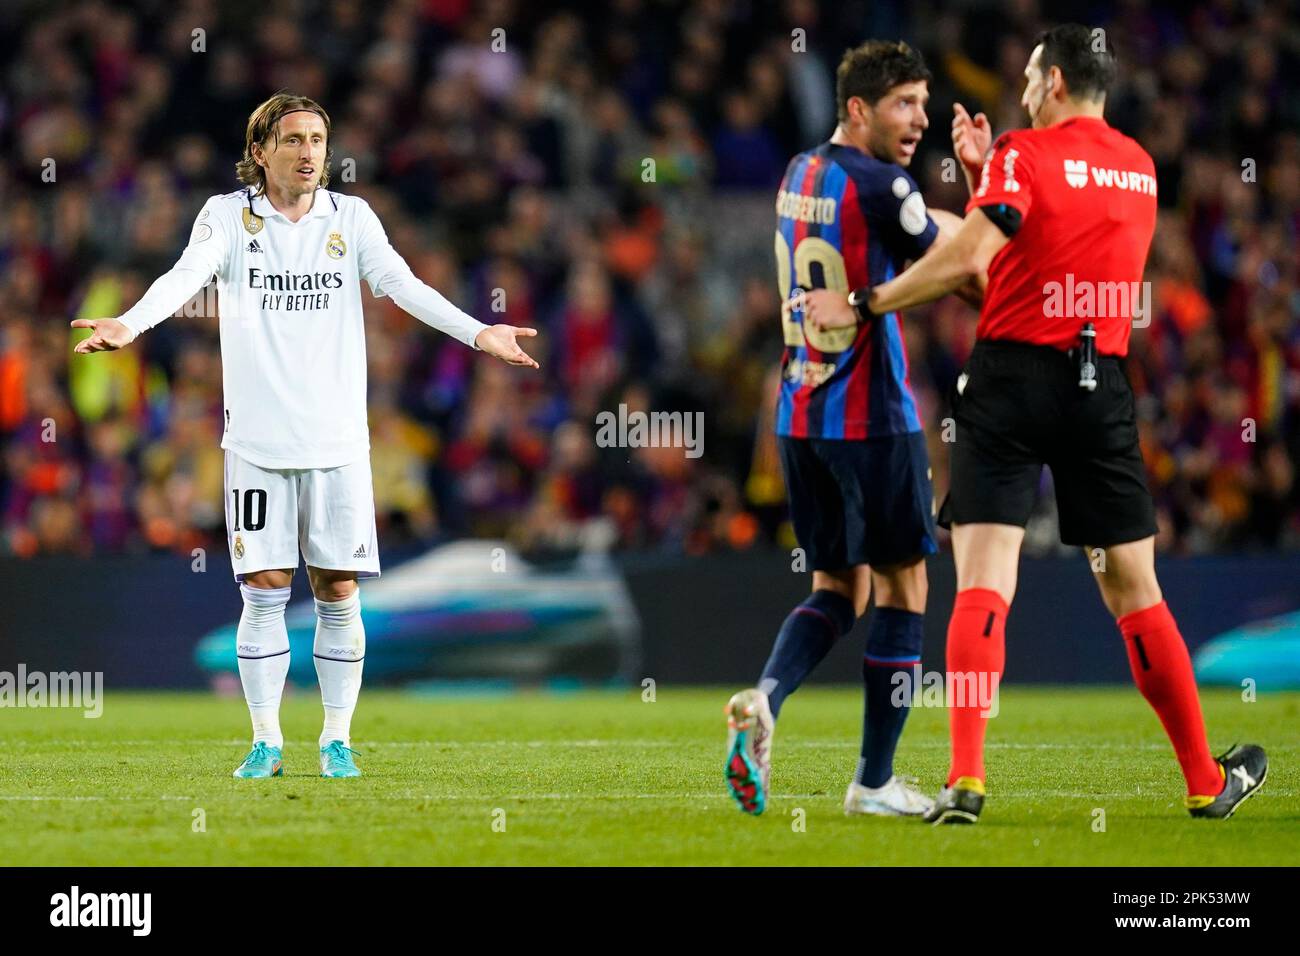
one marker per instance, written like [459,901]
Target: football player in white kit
[289,256]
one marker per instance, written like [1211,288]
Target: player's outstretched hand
[971,138]
[499,340]
[107,334]
[825,309]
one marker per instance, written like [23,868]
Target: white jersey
[293,344]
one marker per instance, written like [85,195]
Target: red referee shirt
[1087,195]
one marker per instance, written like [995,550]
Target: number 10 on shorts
[254,513]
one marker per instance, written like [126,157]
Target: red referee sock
[976,646]
[1162,669]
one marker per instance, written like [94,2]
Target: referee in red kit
[1060,221]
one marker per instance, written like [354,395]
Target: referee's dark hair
[1083,56]
[873,69]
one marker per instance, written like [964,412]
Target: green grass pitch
[605,778]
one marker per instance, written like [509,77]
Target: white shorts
[327,512]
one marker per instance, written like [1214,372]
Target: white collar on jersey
[323,204]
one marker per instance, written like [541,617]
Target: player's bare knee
[1122,601]
[336,590]
[1126,576]
[903,586]
[332,585]
[988,557]
[988,576]
[1131,596]
[269,579]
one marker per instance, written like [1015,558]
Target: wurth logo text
[1077,174]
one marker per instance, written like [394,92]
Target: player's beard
[885,148]
[298,188]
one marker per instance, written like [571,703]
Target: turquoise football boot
[750,727]
[262,761]
[336,760]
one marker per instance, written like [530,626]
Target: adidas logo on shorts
[360,552]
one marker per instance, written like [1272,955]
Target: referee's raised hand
[106,335]
[971,138]
[499,340]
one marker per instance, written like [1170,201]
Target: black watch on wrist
[858,300]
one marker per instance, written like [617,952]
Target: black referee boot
[1245,768]
[960,803]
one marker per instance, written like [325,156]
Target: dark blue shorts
[860,501]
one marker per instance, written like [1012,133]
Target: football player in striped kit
[853,450]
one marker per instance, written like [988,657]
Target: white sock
[262,644]
[340,652]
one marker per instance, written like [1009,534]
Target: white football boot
[895,798]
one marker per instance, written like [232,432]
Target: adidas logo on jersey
[360,552]
[254,247]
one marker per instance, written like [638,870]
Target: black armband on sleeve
[1007,218]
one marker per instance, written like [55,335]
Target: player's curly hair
[263,128]
[873,69]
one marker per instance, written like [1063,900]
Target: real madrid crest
[336,248]
[252,222]
[239,548]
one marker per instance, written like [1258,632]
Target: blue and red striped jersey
[846,220]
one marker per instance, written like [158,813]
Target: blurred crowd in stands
[606,173]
